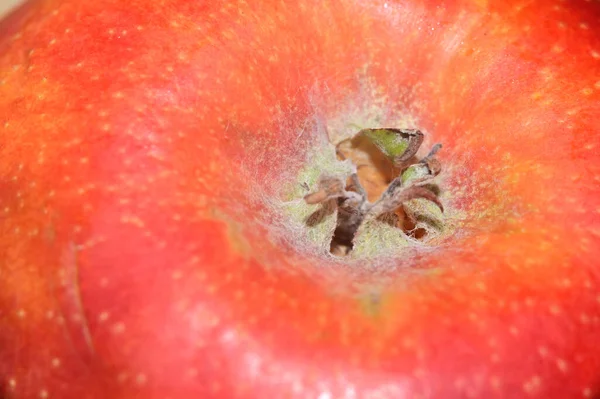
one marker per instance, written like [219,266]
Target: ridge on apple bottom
[151,154]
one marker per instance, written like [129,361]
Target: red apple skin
[139,256]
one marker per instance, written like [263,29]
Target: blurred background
[7,5]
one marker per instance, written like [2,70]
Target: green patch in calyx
[397,144]
[338,215]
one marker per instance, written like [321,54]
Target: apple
[155,242]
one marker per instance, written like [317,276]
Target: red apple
[149,150]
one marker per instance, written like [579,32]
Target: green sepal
[397,144]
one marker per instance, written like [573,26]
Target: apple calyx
[351,199]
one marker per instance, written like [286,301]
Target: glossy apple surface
[145,147]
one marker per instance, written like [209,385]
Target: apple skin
[142,142]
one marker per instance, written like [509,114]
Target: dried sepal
[434,165]
[423,171]
[419,173]
[389,202]
[434,150]
[356,186]
[400,145]
[327,188]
